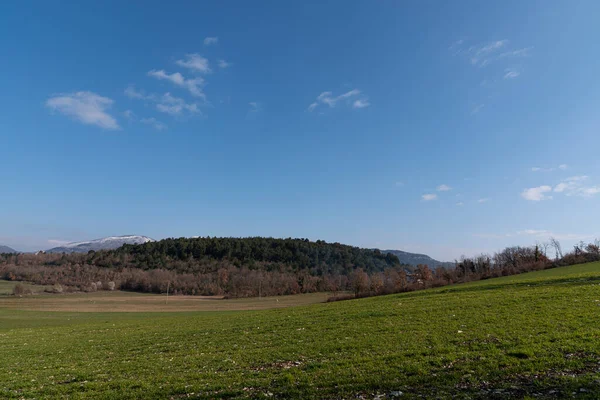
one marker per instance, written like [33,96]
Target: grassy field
[140,302]
[6,287]
[535,335]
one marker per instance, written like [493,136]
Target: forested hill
[316,258]
[236,267]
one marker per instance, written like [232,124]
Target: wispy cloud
[483,200]
[561,167]
[575,186]
[477,108]
[194,86]
[429,197]
[456,47]
[133,93]
[254,107]
[175,106]
[195,62]
[443,188]
[484,55]
[481,56]
[167,103]
[537,193]
[399,183]
[159,126]
[360,103]
[211,40]
[85,107]
[223,64]
[327,98]
[524,52]
[460,204]
[129,114]
[511,73]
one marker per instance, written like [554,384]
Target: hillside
[6,249]
[478,340]
[415,259]
[233,267]
[318,257]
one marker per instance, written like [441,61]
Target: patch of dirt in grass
[279,365]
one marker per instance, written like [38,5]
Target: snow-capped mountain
[107,243]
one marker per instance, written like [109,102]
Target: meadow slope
[535,335]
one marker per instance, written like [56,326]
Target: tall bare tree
[557,249]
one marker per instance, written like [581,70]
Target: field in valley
[534,335]
[139,302]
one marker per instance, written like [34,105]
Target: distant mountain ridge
[6,249]
[107,243]
[415,259]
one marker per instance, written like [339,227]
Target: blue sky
[436,127]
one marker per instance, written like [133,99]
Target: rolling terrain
[532,335]
[6,249]
[415,259]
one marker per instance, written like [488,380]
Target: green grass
[535,335]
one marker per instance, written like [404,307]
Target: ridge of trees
[250,267]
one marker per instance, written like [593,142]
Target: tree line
[235,267]
[250,267]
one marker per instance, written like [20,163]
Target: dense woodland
[236,267]
[247,267]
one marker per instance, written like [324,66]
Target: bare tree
[557,249]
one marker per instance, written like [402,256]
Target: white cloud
[128,114]
[159,126]
[574,186]
[132,93]
[175,106]
[327,98]
[211,40]
[483,200]
[537,193]
[195,62]
[429,196]
[443,188]
[86,107]
[511,73]
[460,204]
[561,167]
[399,184]
[254,106]
[481,55]
[223,64]
[524,52]
[361,104]
[484,55]
[194,86]
[535,232]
